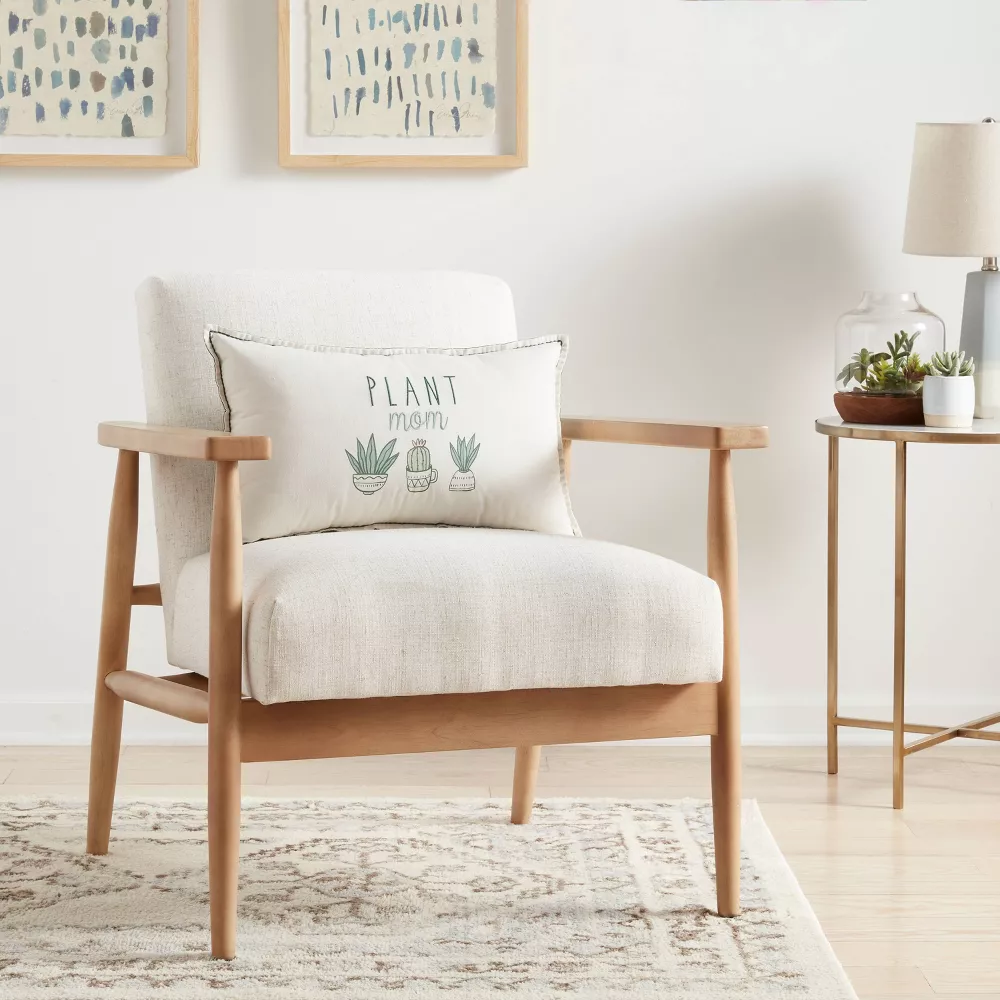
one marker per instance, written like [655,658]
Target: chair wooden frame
[242,730]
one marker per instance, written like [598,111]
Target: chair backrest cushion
[336,308]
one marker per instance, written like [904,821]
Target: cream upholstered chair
[533,639]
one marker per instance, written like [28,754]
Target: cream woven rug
[404,899]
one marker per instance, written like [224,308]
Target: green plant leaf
[354,463]
[385,464]
[383,457]
[362,459]
[463,453]
[371,456]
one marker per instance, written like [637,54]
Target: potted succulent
[950,391]
[885,387]
[419,474]
[463,454]
[371,466]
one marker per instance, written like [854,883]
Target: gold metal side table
[982,432]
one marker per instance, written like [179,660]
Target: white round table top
[981,432]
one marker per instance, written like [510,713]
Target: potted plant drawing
[371,466]
[463,454]
[885,387]
[950,391]
[420,476]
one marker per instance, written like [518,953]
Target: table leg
[832,604]
[899,640]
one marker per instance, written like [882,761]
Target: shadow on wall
[725,313]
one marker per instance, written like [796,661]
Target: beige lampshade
[955,192]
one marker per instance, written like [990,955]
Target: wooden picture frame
[187,156]
[289,157]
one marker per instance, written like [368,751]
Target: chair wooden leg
[224,693]
[116,617]
[726,772]
[526,763]
[726,822]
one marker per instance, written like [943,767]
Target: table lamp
[954,211]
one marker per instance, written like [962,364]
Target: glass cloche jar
[882,348]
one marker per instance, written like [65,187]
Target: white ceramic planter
[949,401]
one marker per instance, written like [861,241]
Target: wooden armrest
[712,437]
[183,442]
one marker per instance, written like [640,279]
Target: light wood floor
[910,901]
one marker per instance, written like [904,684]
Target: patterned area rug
[383,899]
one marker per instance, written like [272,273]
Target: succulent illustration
[372,462]
[951,364]
[463,454]
[418,459]
[898,371]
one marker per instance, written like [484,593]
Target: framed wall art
[403,83]
[99,83]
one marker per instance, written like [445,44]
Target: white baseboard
[67,723]
[62,723]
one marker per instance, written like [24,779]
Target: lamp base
[981,339]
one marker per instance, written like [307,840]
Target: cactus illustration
[418,458]
[463,454]
[420,475]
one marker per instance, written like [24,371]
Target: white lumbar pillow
[359,437]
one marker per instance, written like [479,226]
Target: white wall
[696,215]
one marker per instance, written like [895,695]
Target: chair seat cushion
[413,611]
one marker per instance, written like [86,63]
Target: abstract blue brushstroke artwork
[377,68]
[127,84]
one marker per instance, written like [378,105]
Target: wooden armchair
[242,727]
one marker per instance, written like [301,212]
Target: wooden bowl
[871,408]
